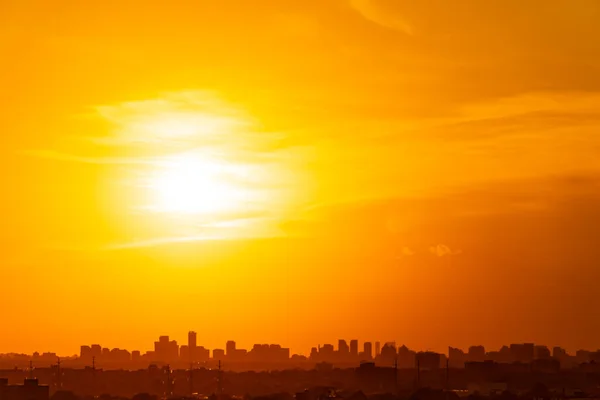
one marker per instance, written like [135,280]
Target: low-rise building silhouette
[29,390]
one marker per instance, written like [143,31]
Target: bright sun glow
[193,183]
[204,173]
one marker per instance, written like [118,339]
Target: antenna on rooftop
[169,381]
[418,372]
[58,377]
[447,373]
[396,375]
[220,381]
[191,379]
[94,375]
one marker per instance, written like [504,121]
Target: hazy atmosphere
[292,172]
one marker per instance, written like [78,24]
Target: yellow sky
[424,172]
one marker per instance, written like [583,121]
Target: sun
[202,167]
[196,167]
[193,183]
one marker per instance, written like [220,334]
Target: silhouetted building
[428,360]
[85,353]
[325,353]
[354,349]
[314,353]
[184,353]
[219,354]
[166,350]
[202,354]
[559,353]
[343,348]
[96,351]
[119,356]
[456,357]
[486,367]
[280,353]
[368,351]
[542,353]
[546,365]
[523,352]
[192,346]
[476,353]
[3,385]
[582,356]
[406,357]
[595,357]
[376,379]
[230,349]
[30,390]
[136,356]
[388,354]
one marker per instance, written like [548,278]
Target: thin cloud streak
[375,14]
[164,241]
[59,156]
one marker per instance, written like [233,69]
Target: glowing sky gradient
[299,171]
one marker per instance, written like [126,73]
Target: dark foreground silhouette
[475,382]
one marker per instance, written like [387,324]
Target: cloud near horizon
[442,250]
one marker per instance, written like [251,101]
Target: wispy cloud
[223,235]
[161,241]
[442,250]
[59,156]
[373,12]
[182,120]
[406,252]
[173,123]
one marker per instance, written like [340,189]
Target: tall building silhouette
[230,350]
[388,354]
[343,346]
[165,349]
[192,346]
[343,353]
[354,348]
[368,350]
[85,353]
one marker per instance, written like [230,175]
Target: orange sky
[299,171]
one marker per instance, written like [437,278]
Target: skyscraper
[230,349]
[192,344]
[343,348]
[377,349]
[368,348]
[354,348]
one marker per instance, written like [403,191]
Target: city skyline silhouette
[167,351]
